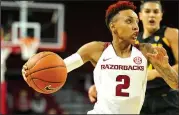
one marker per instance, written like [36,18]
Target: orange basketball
[46,72]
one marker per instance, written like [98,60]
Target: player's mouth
[134,36]
[152,22]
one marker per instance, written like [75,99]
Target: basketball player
[151,13]
[120,72]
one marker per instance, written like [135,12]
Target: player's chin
[133,40]
[152,27]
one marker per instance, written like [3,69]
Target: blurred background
[62,27]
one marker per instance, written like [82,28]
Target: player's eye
[147,11]
[128,21]
[156,11]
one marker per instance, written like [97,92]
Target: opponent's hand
[92,93]
[159,56]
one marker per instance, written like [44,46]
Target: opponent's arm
[171,35]
[159,59]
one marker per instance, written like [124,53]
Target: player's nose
[135,28]
[151,14]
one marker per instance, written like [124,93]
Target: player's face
[151,15]
[125,25]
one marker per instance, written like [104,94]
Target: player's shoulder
[171,32]
[89,50]
[92,48]
[170,29]
[95,46]
[96,43]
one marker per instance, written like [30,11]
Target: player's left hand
[159,56]
[92,94]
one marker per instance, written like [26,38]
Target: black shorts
[163,104]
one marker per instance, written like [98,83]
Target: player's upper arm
[172,36]
[88,50]
[83,55]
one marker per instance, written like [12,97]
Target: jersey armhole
[106,44]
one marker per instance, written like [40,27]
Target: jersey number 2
[125,85]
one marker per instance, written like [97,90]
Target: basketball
[46,72]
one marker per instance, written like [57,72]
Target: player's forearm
[156,74]
[169,75]
[72,62]
[175,67]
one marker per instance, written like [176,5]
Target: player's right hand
[92,93]
[24,68]
[24,73]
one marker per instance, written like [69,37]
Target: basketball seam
[37,86]
[46,68]
[40,59]
[46,81]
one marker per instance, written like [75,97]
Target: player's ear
[161,15]
[140,15]
[112,26]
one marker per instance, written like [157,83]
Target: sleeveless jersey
[158,39]
[120,82]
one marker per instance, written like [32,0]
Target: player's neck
[149,32]
[122,49]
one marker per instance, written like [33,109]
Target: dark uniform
[160,98]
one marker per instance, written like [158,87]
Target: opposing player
[158,90]
[121,66]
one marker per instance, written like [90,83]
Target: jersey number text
[125,85]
